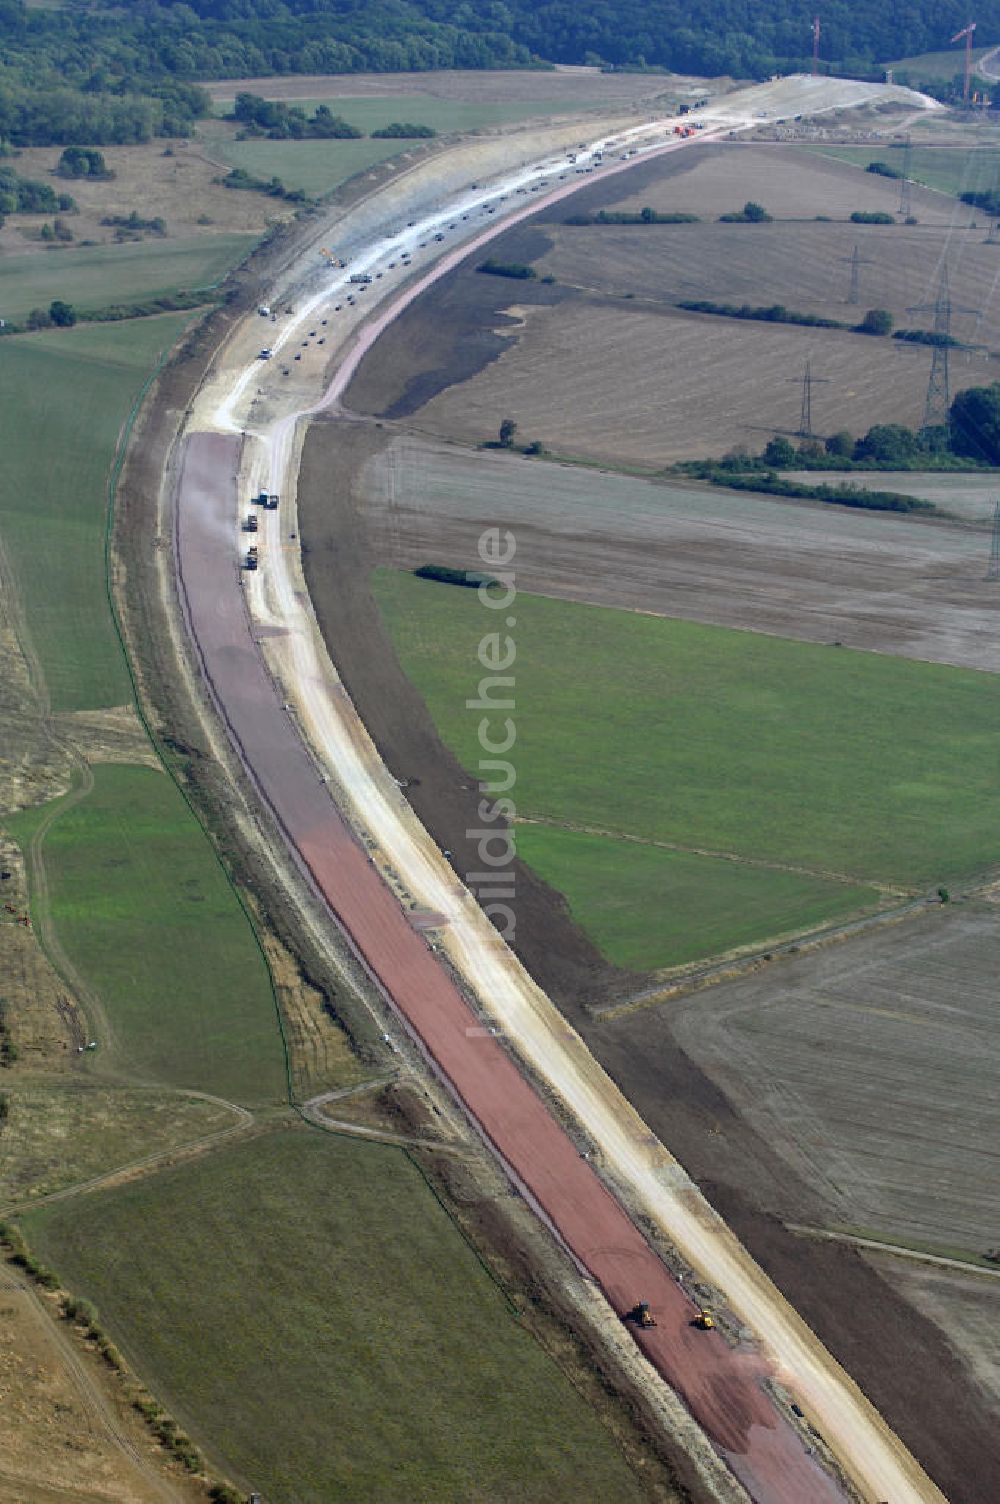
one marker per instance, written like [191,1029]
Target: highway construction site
[341,781]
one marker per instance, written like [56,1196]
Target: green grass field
[949,169]
[373,112]
[93,276]
[721,741]
[233,1285]
[938,65]
[63,398]
[145,913]
[646,907]
[315,166]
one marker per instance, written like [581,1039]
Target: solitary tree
[876,321]
[889,442]
[840,444]
[508,428]
[779,453]
[974,421]
[62,314]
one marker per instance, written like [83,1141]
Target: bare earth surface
[801,570]
[900,1131]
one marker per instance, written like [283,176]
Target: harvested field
[695,384]
[421,1383]
[970,497]
[790,183]
[693,387]
[820,573]
[900,1131]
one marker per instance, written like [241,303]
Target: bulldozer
[704,1321]
[641,1314]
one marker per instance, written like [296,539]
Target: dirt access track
[723,1385]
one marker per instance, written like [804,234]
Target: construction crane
[329,257]
[816,32]
[966,32]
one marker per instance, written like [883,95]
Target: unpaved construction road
[251,640]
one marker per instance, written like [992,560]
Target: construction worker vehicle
[641,1315]
[267,500]
[251,559]
[266,353]
[251,524]
[704,1321]
[361,279]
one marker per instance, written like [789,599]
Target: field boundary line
[897,1250]
[728,969]
[896,890]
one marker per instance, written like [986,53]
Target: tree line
[131,70]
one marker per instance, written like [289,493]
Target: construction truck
[704,1321]
[251,524]
[362,279]
[251,559]
[641,1315]
[267,500]
[329,257]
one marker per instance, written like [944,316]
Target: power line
[857,262]
[905,202]
[993,572]
[938,397]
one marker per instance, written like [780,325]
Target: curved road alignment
[724,1387]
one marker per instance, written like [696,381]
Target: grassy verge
[231,1284]
[145,913]
[63,397]
[718,739]
[90,277]
[647,908]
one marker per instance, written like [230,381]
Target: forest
[88,74]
